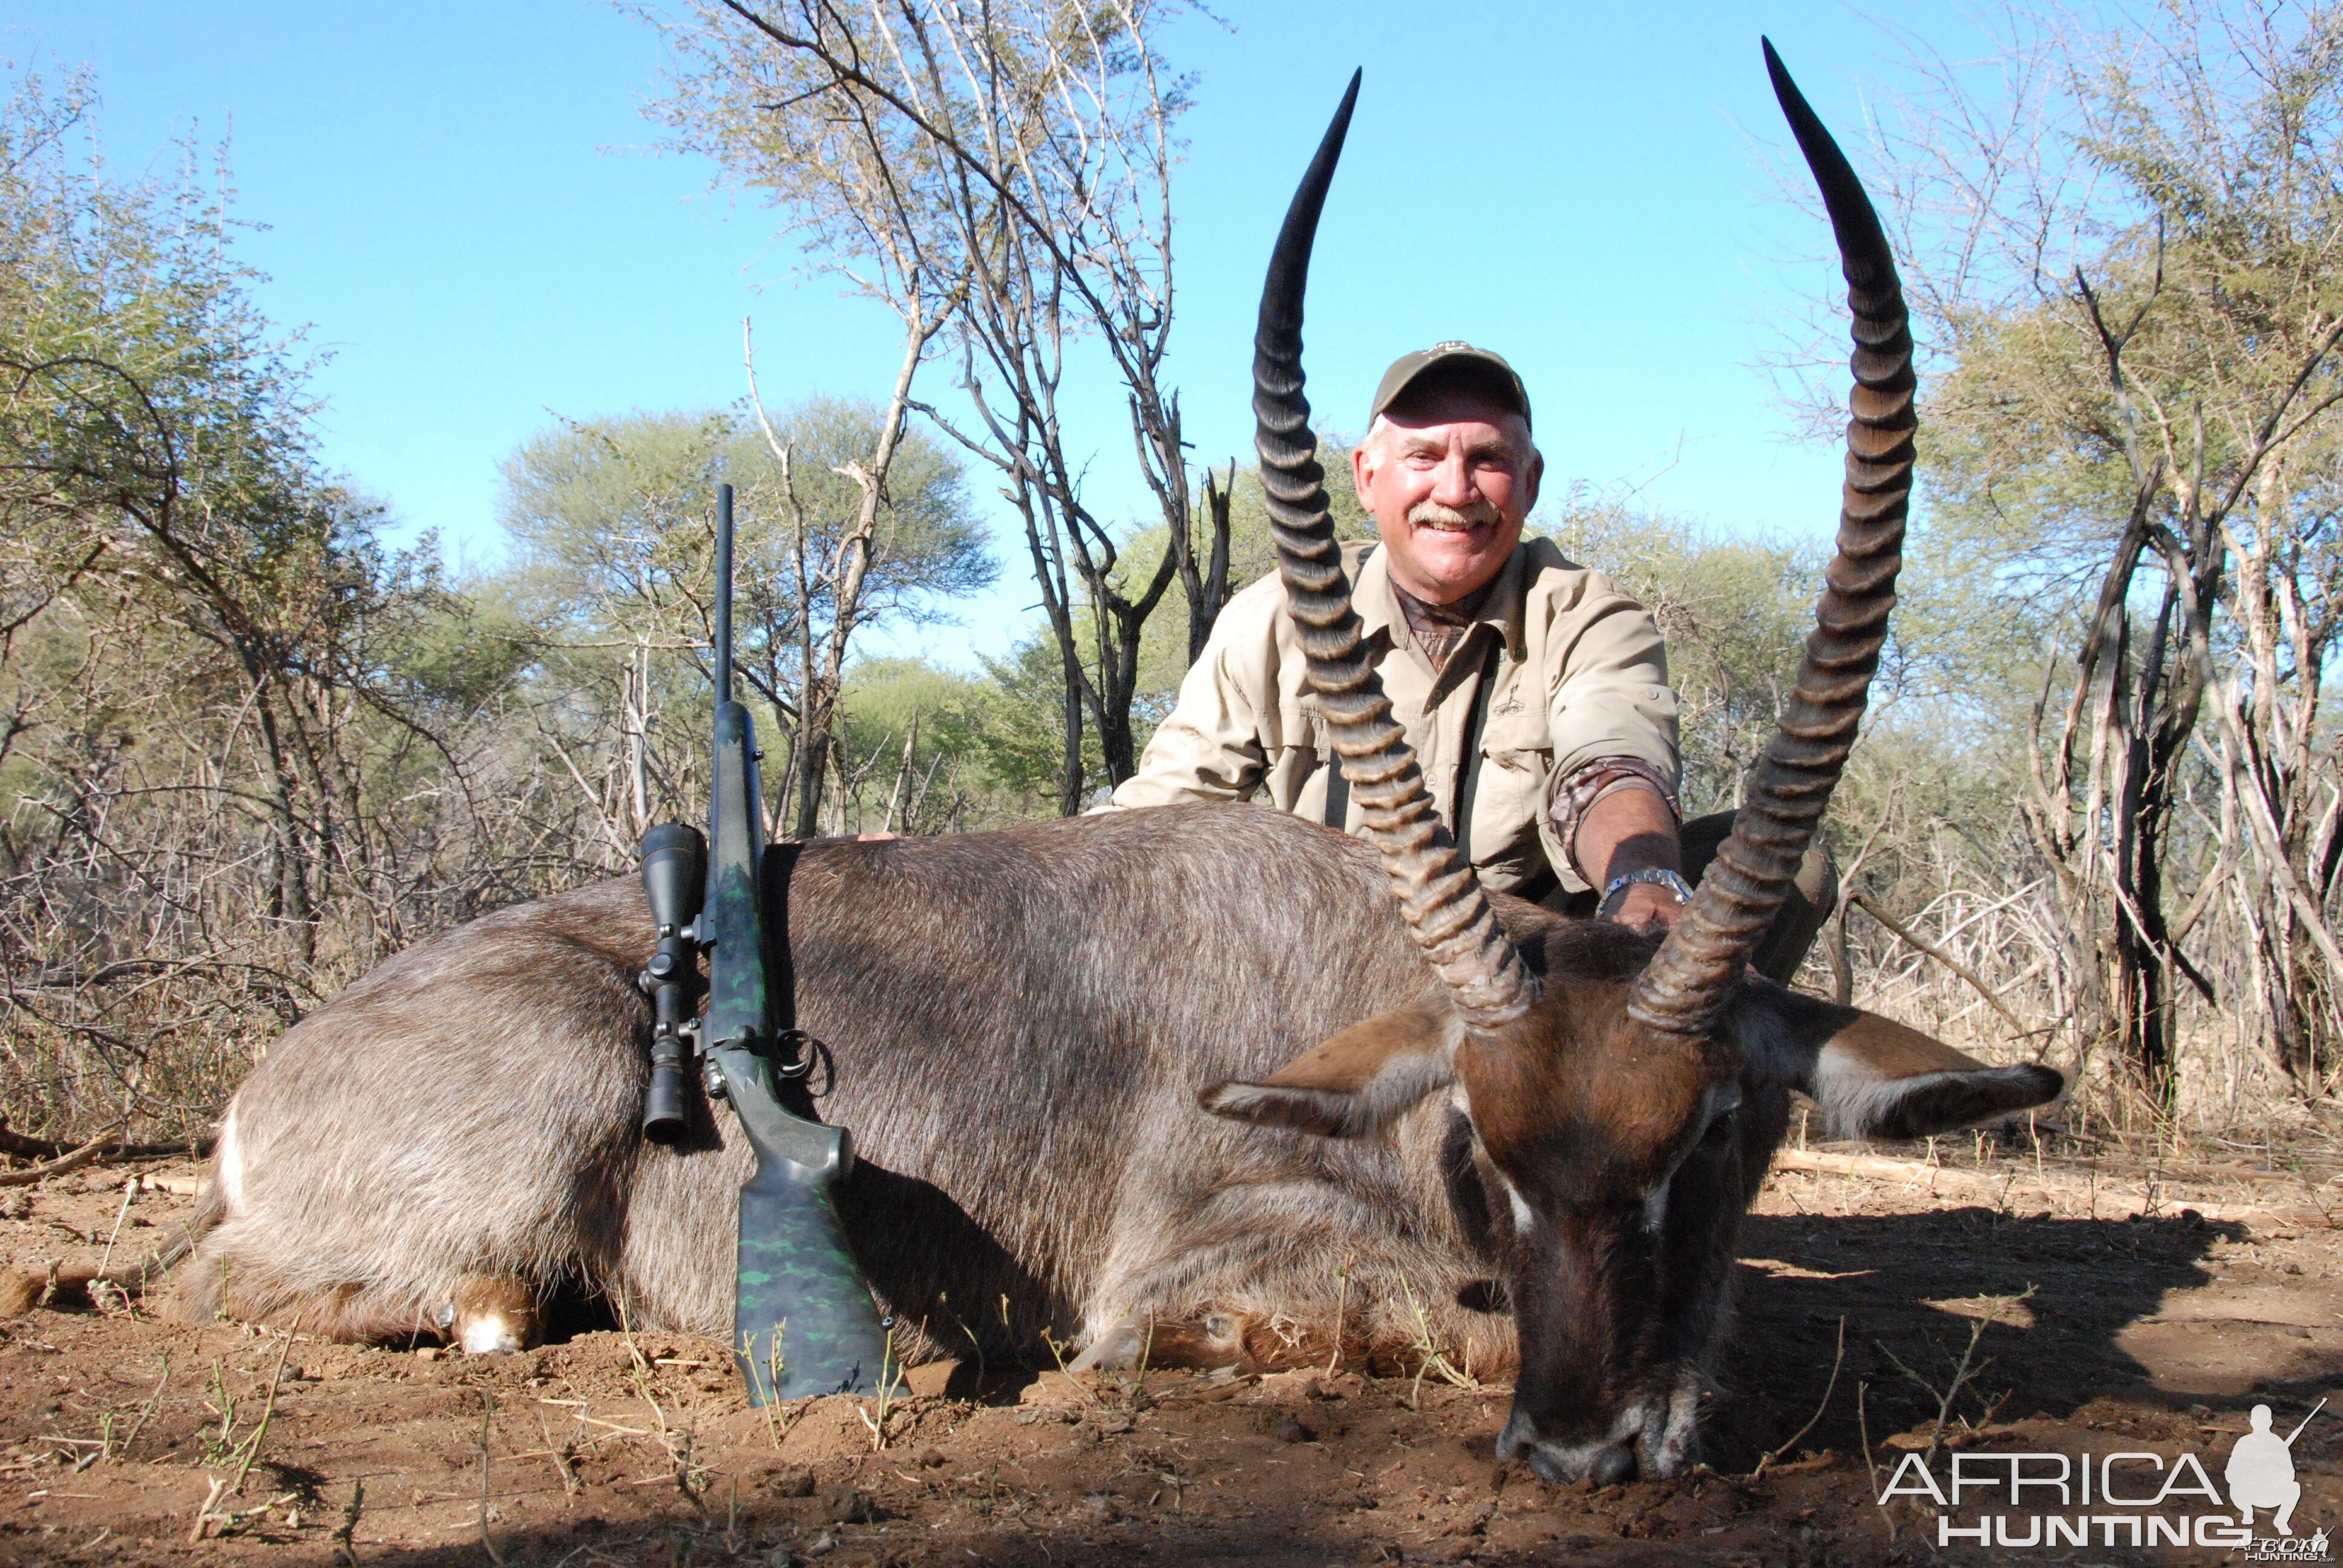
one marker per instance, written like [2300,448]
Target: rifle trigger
[800,1047]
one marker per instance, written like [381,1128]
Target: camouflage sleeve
[1573,794]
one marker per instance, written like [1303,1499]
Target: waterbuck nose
[1604,1462]
[1605,1466]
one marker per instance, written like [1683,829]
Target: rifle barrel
[723,593]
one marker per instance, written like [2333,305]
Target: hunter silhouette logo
[2261,1472]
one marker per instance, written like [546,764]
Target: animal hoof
[490,1315]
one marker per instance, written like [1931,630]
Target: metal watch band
[1657,874]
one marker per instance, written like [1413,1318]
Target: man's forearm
[1630,830]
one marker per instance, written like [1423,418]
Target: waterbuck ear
[1871,1077]
[1359,1080]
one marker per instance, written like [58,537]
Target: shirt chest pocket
[1517,742]
[1509,795]
[1299,725]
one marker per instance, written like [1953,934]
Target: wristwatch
[1657,875]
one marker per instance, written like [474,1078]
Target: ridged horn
[1438,893]
[1698,969]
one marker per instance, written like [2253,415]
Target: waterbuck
[1535,1135]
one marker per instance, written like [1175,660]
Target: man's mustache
[1433,515]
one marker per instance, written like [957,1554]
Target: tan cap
[1407,368]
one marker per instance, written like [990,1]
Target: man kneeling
[1535,691]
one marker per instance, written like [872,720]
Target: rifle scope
[675,883]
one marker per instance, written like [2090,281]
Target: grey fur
[1021,1022]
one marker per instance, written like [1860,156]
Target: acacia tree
[612,521]
[848,190]
[155,467]
[207,746]
[859,556]
[1024,150]
[244,748]
[2125,242]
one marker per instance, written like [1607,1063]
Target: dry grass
[2233,1105]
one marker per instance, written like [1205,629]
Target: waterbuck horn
[1440,897]
[1698,967]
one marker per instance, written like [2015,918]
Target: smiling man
[1535,691]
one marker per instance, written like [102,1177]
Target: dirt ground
[2163,1306]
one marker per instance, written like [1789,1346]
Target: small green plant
[687,1470]
[220,1445]
[943,1300]
[765,1382]
[251,1448]
[891,1385]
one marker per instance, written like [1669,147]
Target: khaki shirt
[1581,677]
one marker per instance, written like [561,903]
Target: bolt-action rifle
[802,1322]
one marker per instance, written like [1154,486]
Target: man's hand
[1647,906]
[1632,830]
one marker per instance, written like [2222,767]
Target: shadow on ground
[1911,1289]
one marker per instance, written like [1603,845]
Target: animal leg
[351,1313]
[1138,1340]
[1254,1256]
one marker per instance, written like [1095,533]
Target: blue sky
[466,210]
